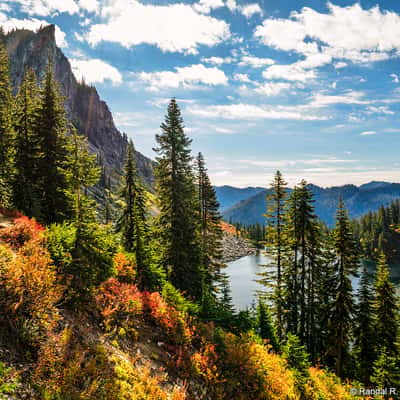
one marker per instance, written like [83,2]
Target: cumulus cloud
[395,78]
[347,33]
[241,78]
[255,62]
[252,112]
[272,88]
[217,60]
[47,7]
[186,77]
[174,28]
[95,71]
[291,72]
[32,24]
[248,10]
[205,6]
[90,5]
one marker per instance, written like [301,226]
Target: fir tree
[275,242]
[210,228]
[385,310]
[364,334]
[386,370]
[26,196]
[345,264]
[180,243]
[51,128]
[266,328]
[6,131]
[81,173]
[132,222]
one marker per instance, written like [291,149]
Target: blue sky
[308,87]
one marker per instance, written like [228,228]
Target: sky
[311,88]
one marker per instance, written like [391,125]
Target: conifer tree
[385,308]
[6,131]
[345,264]
[364,335]
[180,243]
[210,227]
[386,370]
[266,328]
[132,221]
[81,172]
[26,196]
[52,126]
[276,243]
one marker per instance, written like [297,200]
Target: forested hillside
[359,200]
[125,305]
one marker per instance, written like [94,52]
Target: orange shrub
[125,267]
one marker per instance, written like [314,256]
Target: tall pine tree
[26,196]
[52,127]
[132,221]
[180,242]
[6,131]
[210,228]
[345,264]
[276,243]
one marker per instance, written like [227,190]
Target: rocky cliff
[83,105]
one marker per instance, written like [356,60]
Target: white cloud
[32,24]
[348,33]
[395,78]
[217,60]
[173,28]
[47,7]
[380,110]
[272,88]
[186,77]
[241,77]
[350,97]
[291,72]
[252,112]
[205,6]
[340,64]
[95,71]
[251,9]
[368,133]
[255,62]
[90,5]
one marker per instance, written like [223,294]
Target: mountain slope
[358,200]
[228,195]
[83,105]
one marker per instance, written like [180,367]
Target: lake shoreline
[235,248]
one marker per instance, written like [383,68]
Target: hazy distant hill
[229,195]
[358,199]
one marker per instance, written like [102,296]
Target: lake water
[242,274]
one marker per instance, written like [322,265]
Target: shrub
[119,304]
[23,230]
[8,380]
[125,267]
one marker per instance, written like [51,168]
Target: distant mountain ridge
[229,195]
[358,199]
[83,105]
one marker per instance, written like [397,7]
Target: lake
[242,274]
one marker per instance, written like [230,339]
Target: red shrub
[118,303]
[23,230]
[125,267]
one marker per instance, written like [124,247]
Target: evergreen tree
[345,264]
[26,196]
[364,334]
[386,370]
[275,241]
[6,131]
[51,128]
[81,173]
[266,327]
[179,238]
[210,228]
[385,310]
[132,221]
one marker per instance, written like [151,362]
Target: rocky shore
[235,248]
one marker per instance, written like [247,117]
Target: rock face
[235,247]
[83,105]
